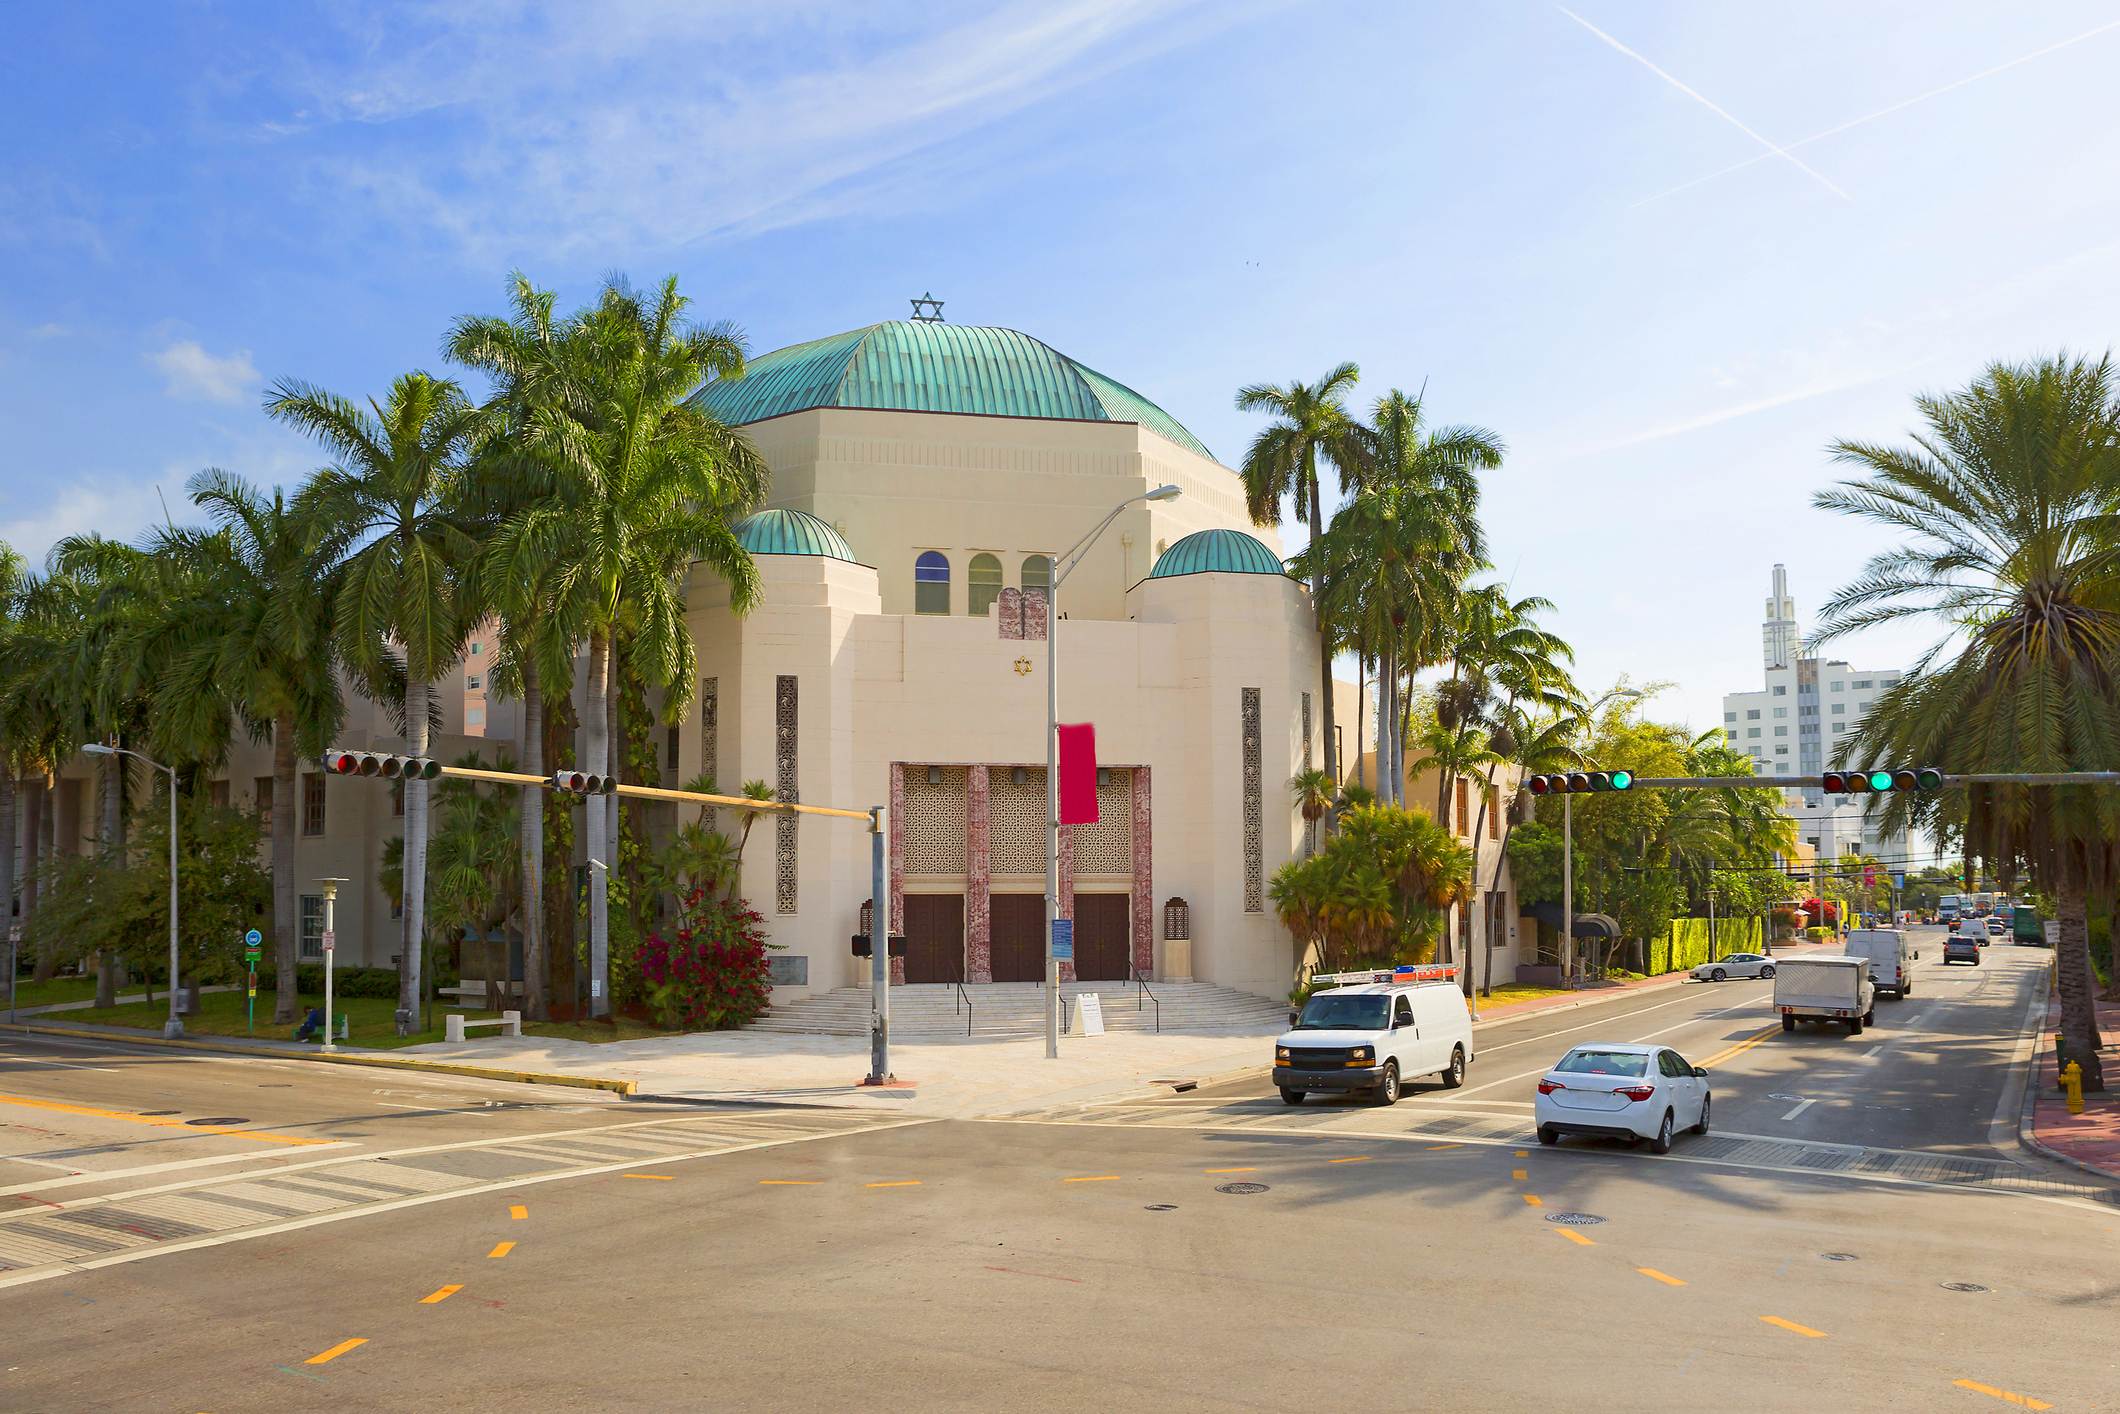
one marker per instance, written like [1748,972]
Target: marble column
[896,864]
[1067,891]
[978,874]
[1144,902]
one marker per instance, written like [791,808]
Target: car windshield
[1346,1011]
[1604,1063]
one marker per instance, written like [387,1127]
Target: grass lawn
[1522,992]
[59,989]
[596,1032]
[372,1021]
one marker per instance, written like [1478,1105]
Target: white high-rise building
[1791,727]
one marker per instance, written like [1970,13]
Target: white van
[1891,958]
[1376,1034]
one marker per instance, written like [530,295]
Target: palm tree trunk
[1361,685]
[1386,680]
[532,823]
[7,838]
[113,823]
[286,922]
[2072,963]
[411,978]
[1479,823]
[1317,604]
[40,800]
[32,826]
[594,818]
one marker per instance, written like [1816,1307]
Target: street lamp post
[1073,555]
[175,1025]
[331,944]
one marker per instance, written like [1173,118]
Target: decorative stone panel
[935,821]
[1009,610]
[1035,602]
[785,788]
[1107,847]
[1144,873]
[1066,878]
[710,741]
[1016,821]
[1254,806]
[978,868]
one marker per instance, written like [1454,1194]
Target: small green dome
[784,532]
[1216,552]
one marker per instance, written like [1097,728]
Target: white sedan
[1622,1091]
[1737,964]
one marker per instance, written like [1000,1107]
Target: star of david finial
[1023,665]
[931,305]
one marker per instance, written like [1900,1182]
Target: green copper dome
[1216,552]
[791,533]
[914,366]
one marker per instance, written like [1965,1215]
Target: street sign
[1063,939]
[14,932]
[331,940]
[253,940]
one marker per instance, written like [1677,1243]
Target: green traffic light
[1880,780]
[1929,778]
[1622,780]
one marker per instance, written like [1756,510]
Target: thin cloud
[1883,112]
[1772,149]
[196,375]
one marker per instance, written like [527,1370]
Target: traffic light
[1580,782]
[1855,782]
[584,783]
[381,763]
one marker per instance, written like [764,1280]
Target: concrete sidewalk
[2092,1138]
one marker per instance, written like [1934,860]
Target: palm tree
[646,486]
[248,640]
[2008,498]
[389,532]
[1283,462]
[12,571]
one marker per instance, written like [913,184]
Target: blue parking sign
[253,938]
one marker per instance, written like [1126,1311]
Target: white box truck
[1891,956]
[1827,987]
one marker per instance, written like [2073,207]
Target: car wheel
[1387,1086]
[1788,1023]
[1869,1018]
[1705,1102]
[1906,991]
[1718,975]
[1292,1097]
[1661,1144]
[1454,1073]
[1854,1026]
[1547,1134]
[1767,972]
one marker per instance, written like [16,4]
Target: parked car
[1962,947]
[1737,964]
[1622,1091]
[1371,1037]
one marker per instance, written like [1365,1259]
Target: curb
[2027,1135]
[520,1077]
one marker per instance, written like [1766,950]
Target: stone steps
[1018,1009]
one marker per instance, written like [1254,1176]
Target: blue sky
[1667,251]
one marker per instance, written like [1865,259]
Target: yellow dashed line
[1532,1199]
[1745,1045]
[1653,1272]
[337,1350]
[1575,1237]
[1523,1153]
[1253,1169]
[1094,1178]
[1519,1175]
[904,1183]
[2002,1394]
[1433,1147]
[443,1295]
[1791,1325]
[518,1212]
[502,1250]
[1363,1159]
[665,1177]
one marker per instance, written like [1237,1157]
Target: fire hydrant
[2072,1081]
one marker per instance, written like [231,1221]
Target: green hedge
[1686,945]
[345,981]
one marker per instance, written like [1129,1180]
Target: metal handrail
[964,997]
[1142,982]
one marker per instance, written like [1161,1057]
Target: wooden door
[1102,936]
[934,938]
[1019,937]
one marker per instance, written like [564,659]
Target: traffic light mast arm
[2030,778]
[740,802]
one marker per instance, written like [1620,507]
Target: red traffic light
[342,763]
[1838,783]
[1539,785]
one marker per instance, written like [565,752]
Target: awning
[1587,925]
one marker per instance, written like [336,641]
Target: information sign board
[1064,939]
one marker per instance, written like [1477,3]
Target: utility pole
[879,948]
[331,943]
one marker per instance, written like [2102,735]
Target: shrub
[345,981]
[712,974]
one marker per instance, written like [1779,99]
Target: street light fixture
[1073,555]
[175,1025]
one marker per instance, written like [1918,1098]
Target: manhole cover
[151,1114]
[1962,1286]
[215,1121]
[1840,1256]
[1162,1207]
[1574,1219]
[1240,1188]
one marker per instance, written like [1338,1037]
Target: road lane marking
[1653,1272]
[162,1123]
[1094,1178]
[1532,1199]
[1433,1147]
[443,1295]
[1575,1237]
[99,1175]
[337,1350]
[1871,1054]
[2002,1394]
[1253,1169]
[518,1211]
[1362,1159]
[1800,1108]
[903,1183]
[1745,1045]
[662,1177]
[502,1250]
[1791,1326]
[1523,1153]
[1519,1175]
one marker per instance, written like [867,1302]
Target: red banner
[1078,773]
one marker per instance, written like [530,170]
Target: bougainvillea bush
[711,974]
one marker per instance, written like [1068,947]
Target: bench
[455,1024]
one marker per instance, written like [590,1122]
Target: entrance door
[1019,937]
[934,938]
[1102,936]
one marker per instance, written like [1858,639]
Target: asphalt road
[1088,1256]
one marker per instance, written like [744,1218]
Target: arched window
[1037,572]
[984,582]
[931,583]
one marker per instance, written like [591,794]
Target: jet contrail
[1908,103]
[1722,113]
